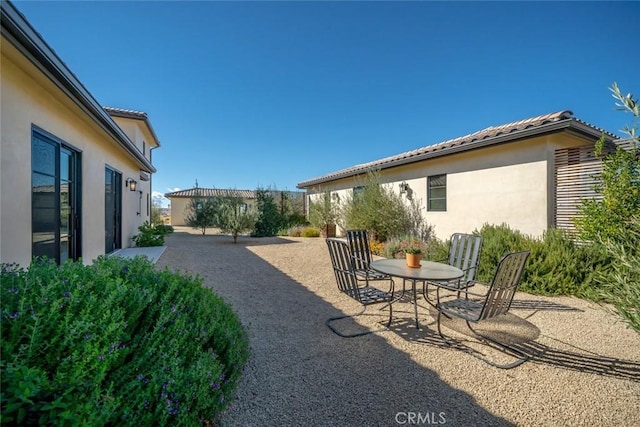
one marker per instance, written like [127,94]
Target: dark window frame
[432,186]
[74,196]
[357,191]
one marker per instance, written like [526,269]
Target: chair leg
[359,334]
[520,356]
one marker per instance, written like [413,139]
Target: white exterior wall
[179,210]
[510,183]
[28,98]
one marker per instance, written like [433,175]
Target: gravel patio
[585,368]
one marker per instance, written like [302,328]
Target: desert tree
[234,217]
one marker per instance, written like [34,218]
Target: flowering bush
[376,247]
[114,343]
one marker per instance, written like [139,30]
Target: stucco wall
[28,98]
[510,183]
[178,210]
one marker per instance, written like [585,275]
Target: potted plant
[413,255]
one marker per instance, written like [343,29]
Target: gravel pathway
[585,369]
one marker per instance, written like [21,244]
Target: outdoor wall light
[131,183]
[405,189]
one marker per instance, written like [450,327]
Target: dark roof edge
[17,30]
[136,115]
[569,123]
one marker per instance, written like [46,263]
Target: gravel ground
[585,368]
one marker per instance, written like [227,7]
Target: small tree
[614,220]
[156,213]
[618,185]
[233,217]
[323,212]
[201,212]
[378,210]
[269,218]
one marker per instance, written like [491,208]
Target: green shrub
[310,232]
[556,266]
[164,229]
[498,240]
[114,343]
[150,235]
[619,283]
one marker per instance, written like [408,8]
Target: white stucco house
[529,174]
[75,176]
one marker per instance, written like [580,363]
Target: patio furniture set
[452,280]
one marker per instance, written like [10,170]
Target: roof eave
[17,30]
[143,117]
[568,124]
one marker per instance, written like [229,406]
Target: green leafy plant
[310,232]
[605,217]
[234,217]
[323,211]
[269,220]
[151,235]
[413,250]
[613,220]
[114,343]
[378,210]
[201,211]
[556,266]
[619,284]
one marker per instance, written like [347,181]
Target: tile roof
[132,114]
[212,192]
[491,135]
[121,112]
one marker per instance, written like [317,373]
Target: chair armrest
[468,292]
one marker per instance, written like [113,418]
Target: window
[55,198]
[437,193]
[358,191]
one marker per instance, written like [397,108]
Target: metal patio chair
[348,283]
[361,256]
[464,253]
[494,303]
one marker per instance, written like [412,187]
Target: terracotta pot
[413,260]
[328,230]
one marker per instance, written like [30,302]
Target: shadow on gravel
[299,372]
[524,336]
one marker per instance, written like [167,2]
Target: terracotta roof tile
[212,192]
[121,112]
[508,131]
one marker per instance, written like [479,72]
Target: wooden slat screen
[576,172]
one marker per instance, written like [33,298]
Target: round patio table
[428,271]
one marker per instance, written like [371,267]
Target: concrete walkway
[152,253]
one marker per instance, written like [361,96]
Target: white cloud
[159,199]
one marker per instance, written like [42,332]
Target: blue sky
[269,94]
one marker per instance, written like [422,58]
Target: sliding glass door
[113,210]
[55,198]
